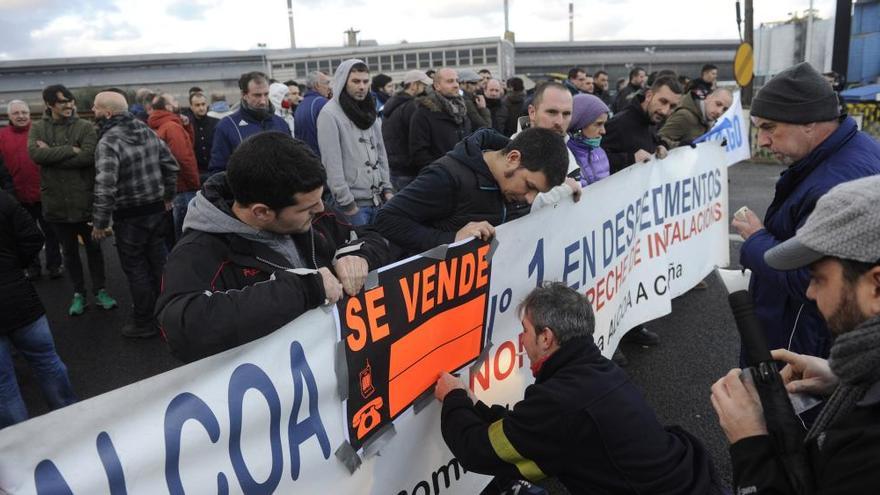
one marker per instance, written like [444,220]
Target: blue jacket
[305,119]
[235,128]
[780,296]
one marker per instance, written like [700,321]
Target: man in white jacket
[352,149]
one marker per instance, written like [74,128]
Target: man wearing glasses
[64,147]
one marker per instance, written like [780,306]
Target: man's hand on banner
[642,156]
[746,224]
[575,188]
[661,152]
[352,272]
[445,384]
[483,230]
[332,287]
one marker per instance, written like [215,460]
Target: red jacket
[25,173]
[170,129]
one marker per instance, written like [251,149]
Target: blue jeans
[141,246]
[365,215]
[180,205]
[35,343]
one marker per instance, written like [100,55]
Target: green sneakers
[78,306]
[104,300]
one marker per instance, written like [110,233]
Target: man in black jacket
[203,132]
[840,243]
[439,122]
[637,78]
[485,181]
[631,135]
[398,113]
[582,421]
[23,325]
[258,251]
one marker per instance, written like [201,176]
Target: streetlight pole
[749,37]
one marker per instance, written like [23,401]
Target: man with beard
[255,115]
[840,244]
[134,185]
[600,83]
[474,99]
[494,102]
[353,153]
[439,122]
[798,119]
[64,147]
[481,183]
[631,135]
[694,117]
[395,127]
[167,123]
[637,78]
[203,132]
[259,250]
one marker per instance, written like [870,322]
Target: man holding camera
[840,243]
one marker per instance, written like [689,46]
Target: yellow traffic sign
[744,65]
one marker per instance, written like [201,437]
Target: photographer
[840,242]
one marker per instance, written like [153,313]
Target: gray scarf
[454,106]
[855,359]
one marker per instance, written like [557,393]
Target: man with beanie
[439,122]
[840,244]
[798,119]
[255,115]
[350,135]
[395,126]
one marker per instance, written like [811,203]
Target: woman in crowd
[587,127]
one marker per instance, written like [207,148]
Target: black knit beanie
[797,95]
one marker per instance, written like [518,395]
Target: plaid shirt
[134,168]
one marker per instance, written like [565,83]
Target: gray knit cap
[844,224]
[797,95]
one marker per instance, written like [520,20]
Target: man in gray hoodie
[352,149]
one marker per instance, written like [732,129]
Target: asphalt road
[699,340]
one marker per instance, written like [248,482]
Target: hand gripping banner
[425,315]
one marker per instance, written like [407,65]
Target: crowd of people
[231,221]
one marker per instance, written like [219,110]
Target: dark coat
[454,190]
[627,132]
[220,291]
[514,102]
[624,96]
[20,243]
[583,422]
[433,132]
[305,119]
[395,132]
[780,297]
[498,110]
[235,128]
[203,140]
[845,463]
[67,178]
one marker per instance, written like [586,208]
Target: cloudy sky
[71,28]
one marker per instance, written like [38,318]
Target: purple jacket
[593,162]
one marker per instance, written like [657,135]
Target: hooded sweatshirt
[277,93]
[211,212]
[355,159]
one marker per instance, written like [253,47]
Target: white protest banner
[734,128]
[266,417]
